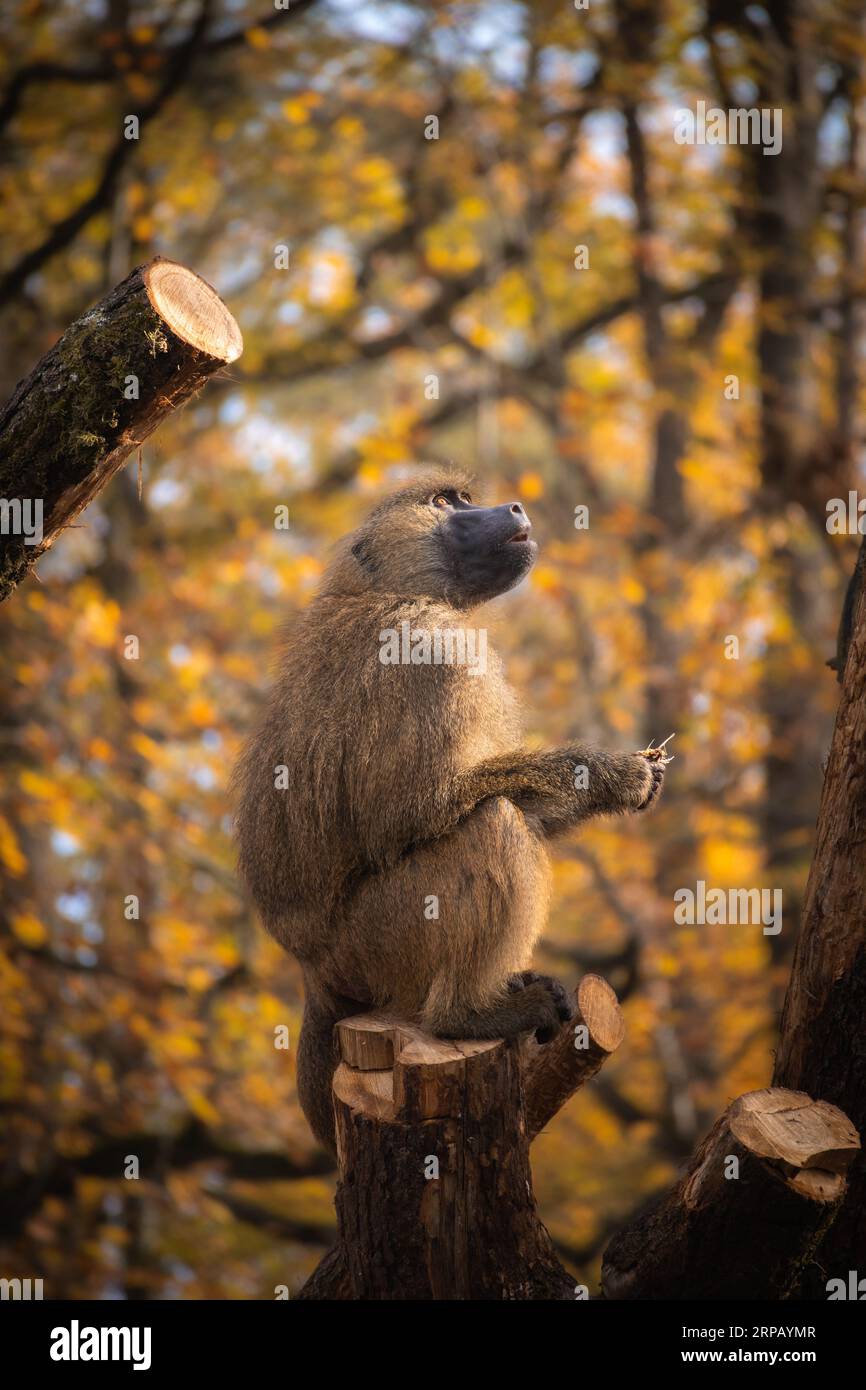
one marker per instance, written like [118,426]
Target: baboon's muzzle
[490,548]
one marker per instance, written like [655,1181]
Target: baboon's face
[431,539]
[487,549]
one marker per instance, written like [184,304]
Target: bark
[435,1195]
[821,1048]
[741,1229]
[329,1281]
[69,425]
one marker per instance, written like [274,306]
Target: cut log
[101,390]
[821,1043]
[554,1072]
[435,1193]
[773,1167]
[435,1198]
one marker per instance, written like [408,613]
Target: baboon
[390,827]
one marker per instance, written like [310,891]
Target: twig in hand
[658,754]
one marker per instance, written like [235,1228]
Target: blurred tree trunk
[672,365]
[798,464]
[821,1046]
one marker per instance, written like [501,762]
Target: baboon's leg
[542,1006]
[450,921]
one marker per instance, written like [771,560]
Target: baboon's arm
[559,788]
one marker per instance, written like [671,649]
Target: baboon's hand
[557,1008]
[642,780]
[657,771]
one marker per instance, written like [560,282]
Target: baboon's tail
[318,1057]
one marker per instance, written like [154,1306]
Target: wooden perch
[101,390]
[435,1193]
[773,1167]
[555,1071]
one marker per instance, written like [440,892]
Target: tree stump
[555,1071]
[115,374]
[760,1192]
[435,1194]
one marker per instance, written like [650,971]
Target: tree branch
[116,373]
[44,71]
[63,232]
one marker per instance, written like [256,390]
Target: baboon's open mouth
[518,536]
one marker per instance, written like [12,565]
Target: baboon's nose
[524,525]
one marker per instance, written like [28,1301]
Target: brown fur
[405,781]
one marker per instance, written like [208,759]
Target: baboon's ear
[361,552]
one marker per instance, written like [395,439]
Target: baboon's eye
[440,500]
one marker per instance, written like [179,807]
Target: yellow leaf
[143,227]
[201,712]
[29,929]
[369,474]
[36,784]
[632,590]
[448,249]
[144,746]
[472,207]
[373,169]
[295,111]
[202,1108]
[348,128]
[179,1047]
[98,748]
[100,620]
[545,577]
[10,850]
[199,979]
[530,486]
[480,335]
